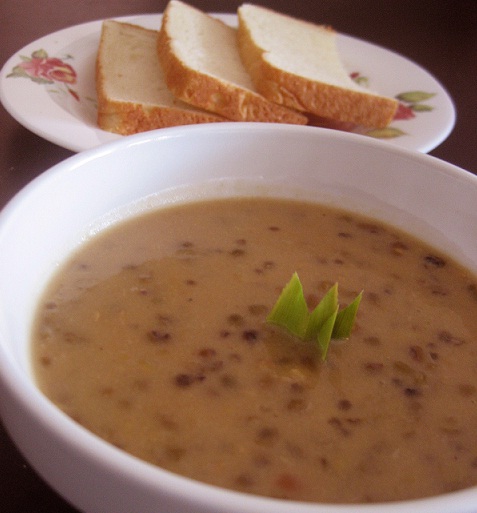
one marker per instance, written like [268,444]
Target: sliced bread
[202,66]
[132,94]
[297,64]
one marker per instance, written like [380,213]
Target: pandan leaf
[325,334]
[291,311]
[345,319]
[325,322]
[323,311]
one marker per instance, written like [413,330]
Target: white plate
[56,99]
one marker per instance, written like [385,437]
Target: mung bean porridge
[153,336]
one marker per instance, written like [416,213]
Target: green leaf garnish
[325,334]
[325,309]
[345,319]
[291,311]
[325,322]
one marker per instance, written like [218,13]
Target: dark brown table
[440,36]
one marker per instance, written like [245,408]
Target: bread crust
[126,118]
[306,95]
[213,93]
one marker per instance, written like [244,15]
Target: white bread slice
[297,64]
[202,66]
[132,94]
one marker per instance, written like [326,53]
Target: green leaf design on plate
[18,71]
[421,107]
[414,96]
[39,54]
[362,81]
[385,133]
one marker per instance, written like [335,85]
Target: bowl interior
[71,202]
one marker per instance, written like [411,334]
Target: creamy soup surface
[153,336]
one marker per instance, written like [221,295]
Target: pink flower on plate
[50,69]
[44,70]
[404,112]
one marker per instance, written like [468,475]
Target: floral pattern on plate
[45,70]
[42,69]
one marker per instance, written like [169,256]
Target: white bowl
[70,202]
